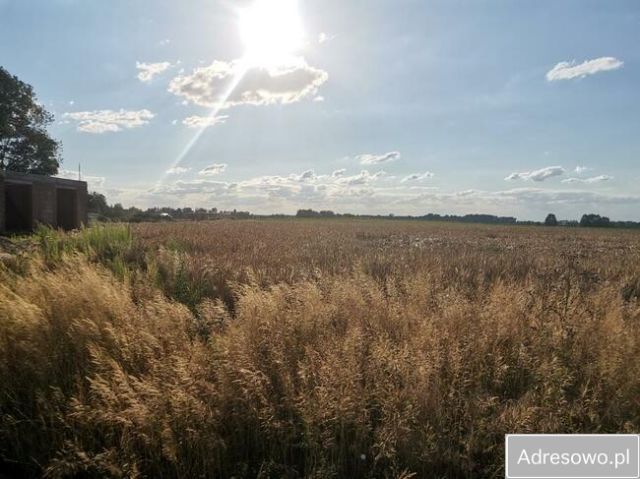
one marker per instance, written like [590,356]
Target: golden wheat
[313,348]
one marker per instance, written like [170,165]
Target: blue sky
[508,107]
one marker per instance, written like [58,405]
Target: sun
[272,32]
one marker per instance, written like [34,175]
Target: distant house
[26,200]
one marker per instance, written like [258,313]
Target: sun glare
[272,32]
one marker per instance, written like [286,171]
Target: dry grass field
[316,349]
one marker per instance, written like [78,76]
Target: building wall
[44,198]
[44,203]
[83,205]
[1,204]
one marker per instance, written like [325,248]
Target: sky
[508,107]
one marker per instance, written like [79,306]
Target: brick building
[26,200]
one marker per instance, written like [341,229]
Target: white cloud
[325,37]
[94,183]
[418,176]
[165,42]
[535,195]
[147,71]
[307,175]
[204,121]
[582,169]
[208,86]
[570,70]
[104,121]
[319,99]
[193,187]
[215,169]
[538,175]
[593,179]
[375,192]
[369,159]
[339,173]
[536,199]
[364,178]
[177,170]
[309,184]
[293,180]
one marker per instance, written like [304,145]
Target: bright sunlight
[272,32]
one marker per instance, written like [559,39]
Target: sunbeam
[242,70]
[272,33]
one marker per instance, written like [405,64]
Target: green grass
[111,245]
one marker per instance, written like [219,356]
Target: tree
[307,213]
[595,220]
[98,203]
[551,220]
[25,145]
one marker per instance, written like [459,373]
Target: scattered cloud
[593,179]
[418,177]
[295,186]
[538,175]
[215,169]
[192,187]
[147,71]
[204,121]
[319,99]
[576,197]
[94,183]
[325,37]
[371,192]
[582,169]
[164,42]
[368,159]
[208,86]
[534,199]
[109,121]
[553,171]
[307,175]
[570,70]
[177,170]
[364,178]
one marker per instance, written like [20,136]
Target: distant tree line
[587,220]
[102,211]
[595,220]
[315,214]
[591,221]
[474,218]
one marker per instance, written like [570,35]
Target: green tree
[551,220]
[98,203]
[25,145]
[595,220]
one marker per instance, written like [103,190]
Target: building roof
[31,178]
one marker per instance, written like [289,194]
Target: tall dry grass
[314,349]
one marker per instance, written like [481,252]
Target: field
[318,348]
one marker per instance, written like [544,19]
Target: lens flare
[272,32]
